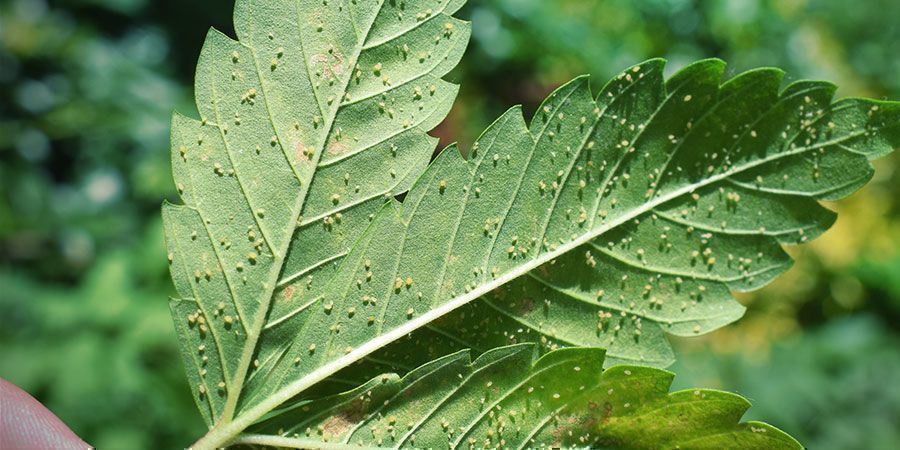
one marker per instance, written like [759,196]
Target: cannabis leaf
[630,216]
[607,221]
[509,399]
[307,123]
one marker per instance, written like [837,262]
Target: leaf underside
[308,123]
[508,398]
[608,221]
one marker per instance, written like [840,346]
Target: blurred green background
[86,92]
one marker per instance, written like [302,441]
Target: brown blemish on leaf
[332,64]
[607,413]
[300,151]
[545,271]
[336,148]
[499,294]
[573,425]
[336,426]
[526,306]
[288,293]
[339,424]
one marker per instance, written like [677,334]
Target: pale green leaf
[307,123]
[508,398]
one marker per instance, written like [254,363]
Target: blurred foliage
[524,48]
[86,91]
[102,355]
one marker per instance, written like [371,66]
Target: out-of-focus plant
[100,354]
[82,124]
[83,129]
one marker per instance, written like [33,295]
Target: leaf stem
[288,442]
[217,437]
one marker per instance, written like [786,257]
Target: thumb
[26,424]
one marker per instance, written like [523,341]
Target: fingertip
[26,424]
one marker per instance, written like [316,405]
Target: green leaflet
[747,168]
[343,90]
[631,216]
[508,398]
